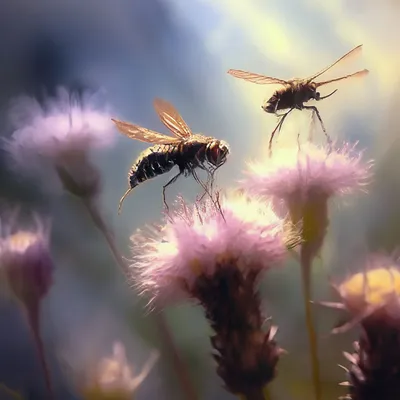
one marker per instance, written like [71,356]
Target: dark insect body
[187,151]
[296,92]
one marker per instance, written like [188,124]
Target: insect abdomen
[154,161]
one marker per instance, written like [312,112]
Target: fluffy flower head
[197,239]
[25,261]
[60,134]
[294,171]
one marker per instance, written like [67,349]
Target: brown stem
[33,315]
[180,369]
[254,395]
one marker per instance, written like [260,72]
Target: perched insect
[295,92]
[185,149]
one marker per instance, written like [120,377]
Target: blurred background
[179,50]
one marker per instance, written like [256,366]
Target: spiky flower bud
[215,256]
[372,298]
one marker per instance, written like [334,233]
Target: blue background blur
[180,50]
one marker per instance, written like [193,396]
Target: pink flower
[293,172]
[60,134]
[301,181]
[196,240]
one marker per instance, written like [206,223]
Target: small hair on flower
[59,134]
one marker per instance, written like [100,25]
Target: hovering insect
[295,92]
[185,149]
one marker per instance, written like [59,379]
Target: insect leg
[216,203]
[278,128]
[167,184]
[315,110]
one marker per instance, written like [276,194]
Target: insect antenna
[122,199]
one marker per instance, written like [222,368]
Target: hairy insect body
[152,162]
[187,155]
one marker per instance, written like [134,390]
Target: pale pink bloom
[296,172]
[196,240]
[113,377]
[60,133]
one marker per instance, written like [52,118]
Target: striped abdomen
[152,162]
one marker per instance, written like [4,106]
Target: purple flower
[59,135]
[26,263]
[194,241]
[215,256]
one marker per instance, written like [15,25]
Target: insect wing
[171,118]
[352,53]
[255,78]
[358,74]
[143,134]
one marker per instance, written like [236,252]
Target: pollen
[374,286]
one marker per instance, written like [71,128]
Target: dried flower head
[113,377]
[372,298]
[59,134]
[301,181]
[216,257]
[25,261]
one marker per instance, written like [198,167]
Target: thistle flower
[372,299]
[113,377]
[26,264]
[59,136]
[300,183]
[303,180]
[215,257]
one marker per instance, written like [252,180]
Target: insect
[295,92]
[185,149]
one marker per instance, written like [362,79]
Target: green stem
[306,264]
[180,369]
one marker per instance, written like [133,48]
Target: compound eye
[317,95]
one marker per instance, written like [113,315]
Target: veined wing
[255,78]
[358,74]
[171,118]
[352,53]
[143,134]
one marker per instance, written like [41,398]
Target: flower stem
[33,316]
[180,369]
[266,393]
[306,262]
[254,395]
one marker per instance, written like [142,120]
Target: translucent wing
[352,53]
[358,74]
[143,134]
[171,118]
[255,78]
